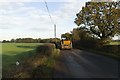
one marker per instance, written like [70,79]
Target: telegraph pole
[55,32]
[51,21]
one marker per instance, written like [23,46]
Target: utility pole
[55,32]
[51,21]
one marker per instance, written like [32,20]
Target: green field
[31,61]
[11,52]
[114,43]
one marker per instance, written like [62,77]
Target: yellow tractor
[66,44]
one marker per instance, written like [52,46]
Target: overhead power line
[51,20]
[49,12]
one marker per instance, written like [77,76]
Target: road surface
[81,64]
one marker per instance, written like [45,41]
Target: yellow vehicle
[66,44]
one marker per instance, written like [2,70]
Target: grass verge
[33,63]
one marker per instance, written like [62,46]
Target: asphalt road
[81,64]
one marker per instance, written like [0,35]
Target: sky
[30,19]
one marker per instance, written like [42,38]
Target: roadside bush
[76,44]
[86,44]
[46,50]
[111,49]
[99,47]
[89,43]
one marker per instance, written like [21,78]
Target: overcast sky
[28,18]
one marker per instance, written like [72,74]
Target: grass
[15,51]
[114,43]
[46,67]
[32,62]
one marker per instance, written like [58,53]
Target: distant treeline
[116,40]
[31,40]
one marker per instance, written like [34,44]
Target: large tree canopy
[101,18]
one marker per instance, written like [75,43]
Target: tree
[4,41]
[101,18]
[12,40]
[75,34]
[82,33]
[67,36]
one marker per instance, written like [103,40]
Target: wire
[49,12]
[51,20]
